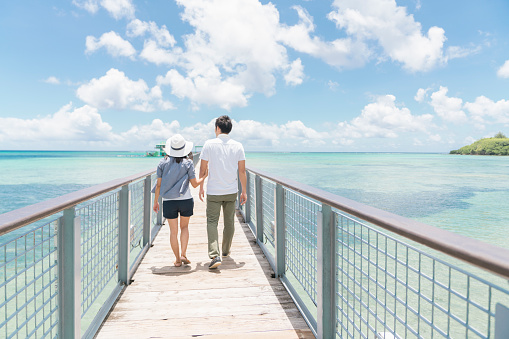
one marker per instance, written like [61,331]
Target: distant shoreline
[496,146]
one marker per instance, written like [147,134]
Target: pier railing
[356,271]
[64,261]
[67,259]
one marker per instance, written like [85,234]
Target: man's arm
[204,167]
[243,181]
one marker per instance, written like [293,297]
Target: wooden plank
[239,299]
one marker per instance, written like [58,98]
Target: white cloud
[210,89]
[52,80]
[468,140]
[291,135]
[503,71]
[115,90]
[383,119]
[91,6]
[118,9]
[237,49]
[454,52]
[295,74]
[332,85]
[239,46]
[435,137]
[254,135]
[484,110]
[114,44]
[421,94]
[148,135]
[152,52]
[69,124]
[155,46]
[232,53]
[162,36]
[448,108]
[340,53]
[480,112]
[393,29]
[77,128]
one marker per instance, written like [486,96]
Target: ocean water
[28,177]
[468,195]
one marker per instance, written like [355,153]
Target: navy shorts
[172,208]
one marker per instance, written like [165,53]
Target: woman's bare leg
[184,234]
[174,228]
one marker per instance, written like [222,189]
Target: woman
[174,173]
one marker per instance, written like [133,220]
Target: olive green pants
[214,204]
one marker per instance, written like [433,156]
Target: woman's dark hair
[178,160]
[224,123]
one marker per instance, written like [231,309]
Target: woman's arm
[197,182]
[156,198]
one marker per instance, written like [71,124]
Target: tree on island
[498,145]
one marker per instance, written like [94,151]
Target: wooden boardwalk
[240,299]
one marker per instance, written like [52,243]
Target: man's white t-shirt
[223,155]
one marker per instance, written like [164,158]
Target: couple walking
[220,159]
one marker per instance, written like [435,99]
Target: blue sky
[316,75]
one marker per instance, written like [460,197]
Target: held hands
[202,193]
[243,198]
[156,206]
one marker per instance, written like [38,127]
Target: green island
[498,145]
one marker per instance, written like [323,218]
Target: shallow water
[464,194]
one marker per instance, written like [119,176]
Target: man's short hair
[224,123]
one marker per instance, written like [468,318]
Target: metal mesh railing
[268,188]
[136,219]
[251,199]
[301,240]
[354,280]
[99,247]
[40,296]
[386,285]
[28,284]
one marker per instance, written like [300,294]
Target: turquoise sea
[28,177]
[464,194]
[468,195]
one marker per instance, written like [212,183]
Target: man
[222,157]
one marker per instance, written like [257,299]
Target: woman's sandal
[184,260]
[177,263]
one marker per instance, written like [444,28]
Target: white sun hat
[177,146]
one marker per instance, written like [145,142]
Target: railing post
[147,199]
[248,191]
[123,235]
[501,321]
[69,275]
[279,208]
[259,208]
[326,273]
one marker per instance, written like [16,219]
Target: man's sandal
[177,263]
[184,260]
